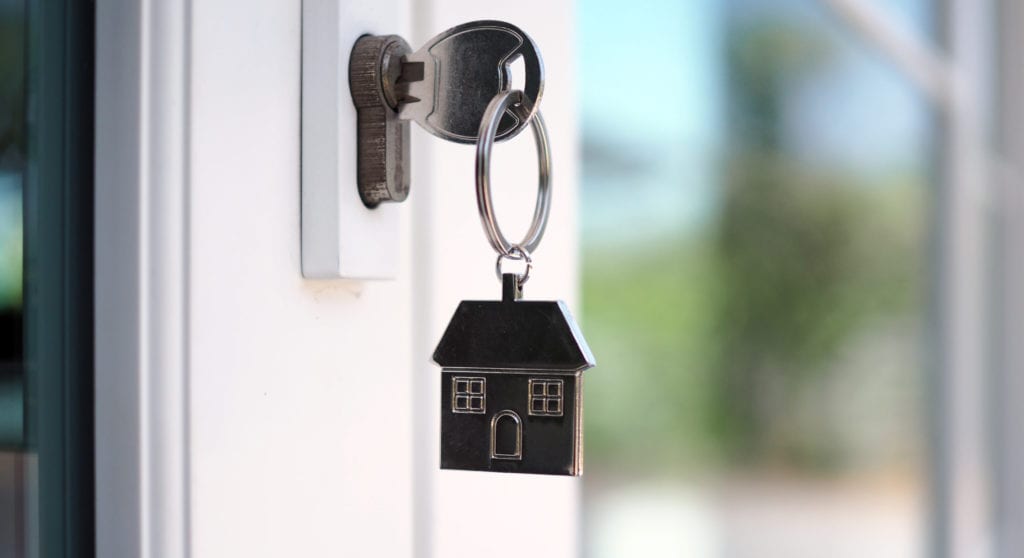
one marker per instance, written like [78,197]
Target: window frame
[546,397]
[469,394]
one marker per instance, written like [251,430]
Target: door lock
[445,87]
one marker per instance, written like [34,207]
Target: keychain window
[468,394]
[545,398]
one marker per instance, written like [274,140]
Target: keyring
[516,253]
[485,142]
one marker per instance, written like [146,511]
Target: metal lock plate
[341,237]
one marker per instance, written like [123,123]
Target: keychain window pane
[468,395]
[545,397]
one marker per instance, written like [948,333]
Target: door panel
[300,392]
[256,413]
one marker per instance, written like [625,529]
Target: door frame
[142,93]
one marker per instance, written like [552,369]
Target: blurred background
[12,167]
[762,271]
[14,462]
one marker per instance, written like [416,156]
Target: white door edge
[141,278]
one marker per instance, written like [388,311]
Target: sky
[652,108]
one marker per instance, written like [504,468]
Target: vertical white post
[142,507]
[1008,293]
[961,524]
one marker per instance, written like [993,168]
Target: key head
[457,73]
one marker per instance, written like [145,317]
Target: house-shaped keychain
[512,386]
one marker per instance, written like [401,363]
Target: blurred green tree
[800,271]
[720,342]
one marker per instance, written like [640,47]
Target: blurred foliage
[765,60]
[804,261]
[11,248]
[12,152]
[646,318]
[717,345]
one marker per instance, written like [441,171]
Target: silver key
[453,77]
[444,86]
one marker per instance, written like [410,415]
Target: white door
[242,410]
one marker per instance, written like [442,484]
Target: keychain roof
[513,334]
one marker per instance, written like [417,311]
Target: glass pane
[12,171]
[46,100]
[756,181]
[16,467]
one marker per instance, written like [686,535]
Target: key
[449,81]
[444,86]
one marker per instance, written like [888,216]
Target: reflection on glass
[10,248]
[12,168]
[753,278]
[15,465]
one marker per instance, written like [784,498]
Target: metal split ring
[516,253]
[512,100]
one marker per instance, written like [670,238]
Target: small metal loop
[503,101]
[516,253]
